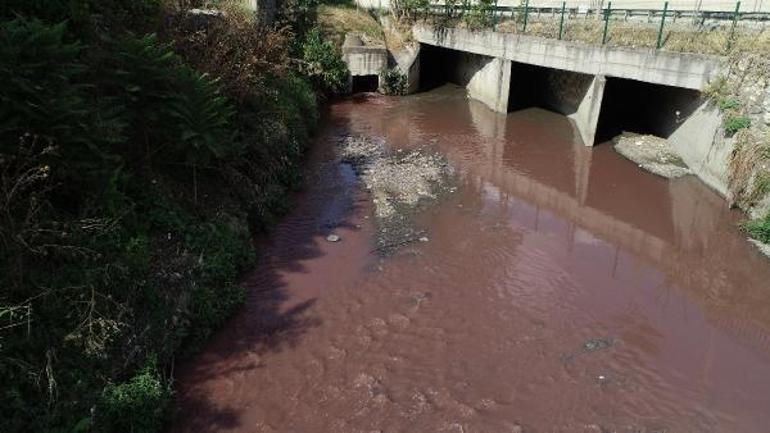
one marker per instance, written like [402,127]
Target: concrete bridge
[501,69]
[602,90]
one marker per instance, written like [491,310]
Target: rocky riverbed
[399,184]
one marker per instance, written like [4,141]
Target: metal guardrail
[457,9]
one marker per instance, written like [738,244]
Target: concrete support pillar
[582,167]
[489,81]
[586,117]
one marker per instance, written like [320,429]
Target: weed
[393,82]
[758,229]
[733,124]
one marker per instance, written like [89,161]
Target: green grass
[758,229]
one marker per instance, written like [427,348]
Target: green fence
[605,18]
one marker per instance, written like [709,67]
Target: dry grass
[676,37]
[397,35]
[336,21]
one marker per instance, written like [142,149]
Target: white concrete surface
[659,67]
[365,60]
[702,146]
[586,117]
[487,79]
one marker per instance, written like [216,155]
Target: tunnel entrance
[436,66]
[552,89]
[643,108]
[365,83]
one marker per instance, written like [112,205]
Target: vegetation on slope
[337,20]
[140,148]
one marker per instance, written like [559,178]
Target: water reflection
[545,245]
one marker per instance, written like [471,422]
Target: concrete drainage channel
[365,63]
[647,102]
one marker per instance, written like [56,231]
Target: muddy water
[562,290]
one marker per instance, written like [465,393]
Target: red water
[545,246]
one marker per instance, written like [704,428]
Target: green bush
[89,15]
[729,104]
[137,405]
[734,124]
[409,9]
[322,64]
[758,229]
[480,15]
[131,179]
[393,82]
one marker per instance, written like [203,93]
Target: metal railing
[562,14]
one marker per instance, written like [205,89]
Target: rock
[333,238]
[595,344]
[651,153]
[424,239]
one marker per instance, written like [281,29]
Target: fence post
[735,20]
[561,20]
[606,21]
[494,15]
[662,23]
[526,15]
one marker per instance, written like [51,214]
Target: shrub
[234,49]
[88,16]
[298,15]
[108,262]
[43,94]
[393,82]
[729,104]
[322,64]
[479,16]
[758,229]
[408,9]
[734,124]
[137,405]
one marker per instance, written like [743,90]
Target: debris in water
[590,346]
[399,183]
[651,153]
[595,344]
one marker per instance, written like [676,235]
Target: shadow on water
[558,243]
[271,319]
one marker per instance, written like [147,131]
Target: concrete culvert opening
[643,108]
[436,66]
[365,83]
[552,89]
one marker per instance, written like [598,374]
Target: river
[562,289]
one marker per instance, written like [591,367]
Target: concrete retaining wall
[701,144]
[365,60]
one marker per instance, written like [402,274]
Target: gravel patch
[399,183]
[651,153]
